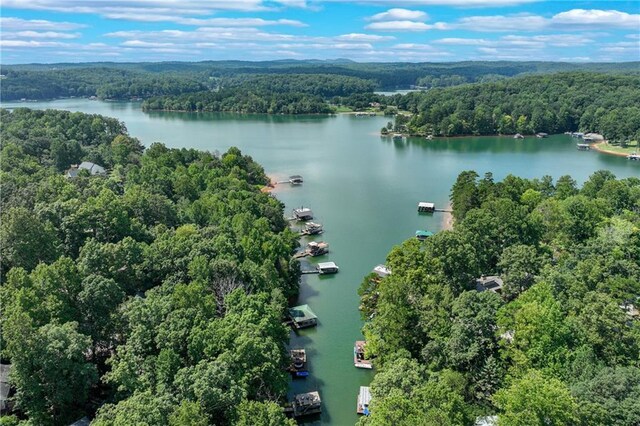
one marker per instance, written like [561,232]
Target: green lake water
[364,189]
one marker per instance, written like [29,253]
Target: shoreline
[598,147]
[447,219]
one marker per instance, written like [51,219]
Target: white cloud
[633,36]
[19,24]
[455,3]
[517,22]
[399,26]
[39,35]
[397,14]
[30,43]
[363,37]
[607,18]
[571,20]
[146,44]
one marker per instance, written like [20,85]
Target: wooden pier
[313,249]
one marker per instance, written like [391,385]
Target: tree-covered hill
[555,103]
[154,293]
[559,345]
[126,80]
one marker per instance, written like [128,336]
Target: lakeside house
[94,169]
[489,283]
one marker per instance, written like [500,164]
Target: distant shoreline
[598,147]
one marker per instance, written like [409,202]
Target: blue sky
[47,31]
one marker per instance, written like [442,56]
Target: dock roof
[301,313]
[426,205]
[323,265]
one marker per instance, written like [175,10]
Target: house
[81,422]
[5,387]
[93,169]
[491,283]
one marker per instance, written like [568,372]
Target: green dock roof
[301,313]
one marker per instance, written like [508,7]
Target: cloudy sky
[367,30]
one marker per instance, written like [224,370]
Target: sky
[50,31]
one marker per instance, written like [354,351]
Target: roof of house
[93,168]
[301,313]
[490,282]
[81,422]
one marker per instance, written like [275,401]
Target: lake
[364,189]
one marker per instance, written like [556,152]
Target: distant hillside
[145,79]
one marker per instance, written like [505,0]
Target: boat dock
[304,404]
[364,399]
[425,207]
[298,366]
[583,146]
[313,249]
[327,268]
[634,157]
[359,359]
[302,317]
[312,228]
[303,213]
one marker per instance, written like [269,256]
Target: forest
[557,344]
[111,80]
[590,102]
[104,83]
[153,294]
[271,94]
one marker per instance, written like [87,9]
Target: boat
[518,136]
[312,228]
[298,367]
[583,146]
[382,271]
[295,180]
[317,248]
[359,359]
[634,157]
[364,399]
[327,268]
[423,235]
[303,213]
[541,135]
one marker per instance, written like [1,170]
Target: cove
[364,189]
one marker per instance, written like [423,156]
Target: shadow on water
[236,117]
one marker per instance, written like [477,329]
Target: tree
[26,241]
[50,369]
[254,413]
[536,400]
[141,409]
[98,302]
[518,266]
[464,194]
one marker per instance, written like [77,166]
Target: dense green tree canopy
[553,346]
[155,292]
